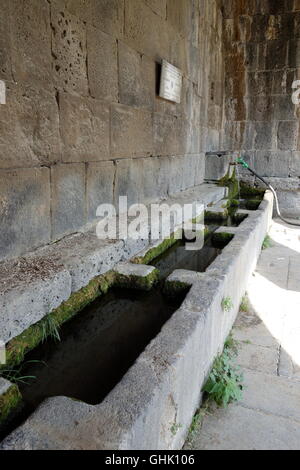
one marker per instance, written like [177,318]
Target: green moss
[220,240]
[216,216]
[10,402]
[249,192]
[156,251]
[232,183]
[18,347]
[174,289]
[144,283]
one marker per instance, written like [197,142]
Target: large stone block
[100,185]
[284,108]
[294,53]
[181,15]
[295,164]
[129,180]
[272,163]
[107,15]
[68,199]
[276,57]
[287,135]
[31,287]
[158,6]
[29,128]
[131,132]
[24,210]
[156,178]
[5,42]
[165,134]
[261,108]
[68,50]
[259,83]
[176,175]
[263,135]
[137,79]
[84,127]
[30,41]
[145,31]
[102,65]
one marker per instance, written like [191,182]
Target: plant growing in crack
[245,304]
[267,243]
[227,304]
[225,382]
[50,328]
[15,374]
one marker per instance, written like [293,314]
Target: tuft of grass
[227,304]
[267,243]
[224,384]
[15,375]
[50,329]
[245,304]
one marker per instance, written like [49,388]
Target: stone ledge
[39,282]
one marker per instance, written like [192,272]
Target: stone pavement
[268,417]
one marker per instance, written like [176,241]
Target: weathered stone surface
[100,185]
[102,65]
[30,289]
[24,203]
[29,128]
[269,163]
[129,180]
[68,50]
[145,31]
[158,6]
[287,135]
[84,127]
[136,78]
[131,132]
[30,41]
[5,44]
[107,15]
[264,138]
[68,199]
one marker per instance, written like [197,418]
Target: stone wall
[83,123]
[262,44]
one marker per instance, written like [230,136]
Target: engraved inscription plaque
[170,82]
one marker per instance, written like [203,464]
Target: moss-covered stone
[144,283]
[173,289]
[10,403]
[250,192]
[18,347]
[156,251]
[232,183]
[221,239]
[216,216]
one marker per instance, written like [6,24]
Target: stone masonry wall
[262,46]
[83,123]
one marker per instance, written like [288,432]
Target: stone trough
[154,403]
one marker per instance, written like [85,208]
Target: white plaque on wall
[170,82]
